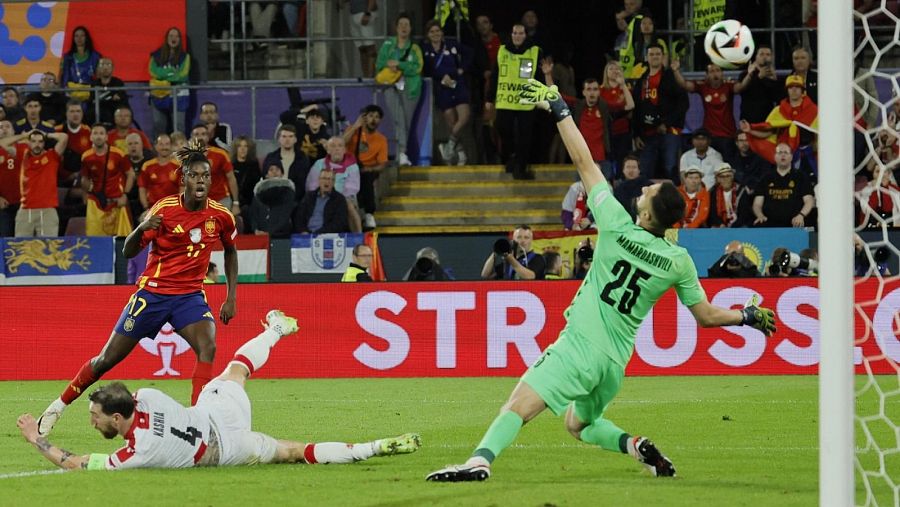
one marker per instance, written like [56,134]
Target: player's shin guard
[202,376]
[338,452]
[499,436]
[604,433]
[254,354]
[82,381]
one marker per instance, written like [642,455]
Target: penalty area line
[32,473]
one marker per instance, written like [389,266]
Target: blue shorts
[146,313]
[448,98]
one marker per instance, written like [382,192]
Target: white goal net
[876,349]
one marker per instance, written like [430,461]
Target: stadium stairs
[472,199]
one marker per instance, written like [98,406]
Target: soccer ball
[729,44]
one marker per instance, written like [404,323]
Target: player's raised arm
[59,457]
[709,315]
[549,99]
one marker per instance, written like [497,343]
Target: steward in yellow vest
[517,61]
[357,271]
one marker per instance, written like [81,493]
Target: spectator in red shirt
[717,95]
[660,108]
[223,187]
[106,179]
[592,117]
[619,103]
[485,59]
[37,216]
[161,176]
[10,159]
[79,141]
[879,203]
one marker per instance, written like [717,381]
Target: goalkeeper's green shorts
[574,371]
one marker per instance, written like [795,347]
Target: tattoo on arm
[43,444]
[65,455]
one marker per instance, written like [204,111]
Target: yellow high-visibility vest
[514,71]
[707,13]
[351,274]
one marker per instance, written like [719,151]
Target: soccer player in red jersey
[183,229]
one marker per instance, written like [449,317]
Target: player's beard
[108,433]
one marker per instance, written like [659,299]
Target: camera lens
[502,247]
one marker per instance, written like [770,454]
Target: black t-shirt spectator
[760,97]
[749,169]
[783,196]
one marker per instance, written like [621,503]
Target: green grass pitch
[734,441]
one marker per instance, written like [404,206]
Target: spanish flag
[783,122]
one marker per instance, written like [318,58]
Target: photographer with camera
[514,260]
[785,263]
[733,264]
[584,256]
[863,265]
[427,268]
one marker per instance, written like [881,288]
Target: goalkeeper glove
[545,97]
[757,317]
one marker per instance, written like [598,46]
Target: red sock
[82,381]
[202,376]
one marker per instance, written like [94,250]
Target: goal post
[835,194]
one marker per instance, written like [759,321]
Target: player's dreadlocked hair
[191,154]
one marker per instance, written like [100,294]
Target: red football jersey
[37,182]
[182,245]
[718,108]
[10,169]
[79,140]
[160,180]
[117,139]
[219,167]
[117,167]
[615,103]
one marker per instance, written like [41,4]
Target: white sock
[255,352]
[478,461]
[630,447]
[338,452]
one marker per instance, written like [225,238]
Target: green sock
[499,436]
[604,433]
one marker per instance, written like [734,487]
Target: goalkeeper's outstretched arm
[753,315]
[549,99]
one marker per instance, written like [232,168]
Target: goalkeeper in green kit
[634,265]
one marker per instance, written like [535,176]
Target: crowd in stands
[63,174]
[758,169]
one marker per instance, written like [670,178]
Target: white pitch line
[32,473]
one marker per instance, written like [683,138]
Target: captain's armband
[97,461]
